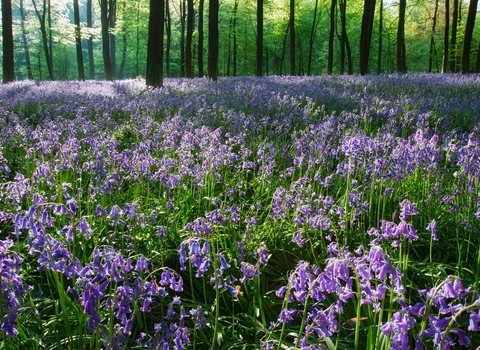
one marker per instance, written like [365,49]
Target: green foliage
[131,37]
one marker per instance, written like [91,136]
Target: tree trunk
[182,37]
[432,51]
[229,47]
[107,63]
[7,34]
[91,63]
[349,56]
[259,53]
[168,28]
[25,43]
[213,40]
[477,63]
[112,22]
[366,34]
[266,61]
[50,36]
[401,57]
[78,41]
[283,50]
[331,37]
[453,41]
[312,39]
[235,45]
[467,38]
[188,54]
[43,30]
[155,43]
[344,38]
[200,38]
[292,37]
[121,73]
[445,37]
[380,39]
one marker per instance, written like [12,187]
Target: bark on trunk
[7,34]
[467,38]
[155,43]
[78,41]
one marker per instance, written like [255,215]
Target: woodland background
[327,37]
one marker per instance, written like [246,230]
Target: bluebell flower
[297,238]
[84,228]
[286,315]
[142,264]
[115,214]
[182,256]
[161,231]
[72,206]
[432,227]
[223,263]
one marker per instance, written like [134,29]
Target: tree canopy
[296,37]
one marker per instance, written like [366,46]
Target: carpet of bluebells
[248,213]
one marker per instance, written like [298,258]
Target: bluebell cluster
[299,203]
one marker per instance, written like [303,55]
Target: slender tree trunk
[477,63]
[137,41]
[235,51]
[43,30]
[266,61]
[467,38]
[213,39]
[64,74]
[300,65]
[7,34]
[91,63]
[155,43]
[445,37]
[188,53]
[235,45]
[201,5]
[380,39]
[50,34]
[366,34]
[168,28]
[331,36]
[432,51]
[453,40]
[401,57]
[107,63]
[283,50]
[259,56]
[78,41]
[121,73]
[112,22]
[349,56]
[312,39]
[39,63]
[343,38]
[25,42]
[292,37]
[182,37]
[229,47]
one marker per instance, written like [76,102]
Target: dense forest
[108,39]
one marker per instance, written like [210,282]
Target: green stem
[380,317]
[61,292]
[453,320]
[358,314]
[427,309]
[217,298]
[284,307]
